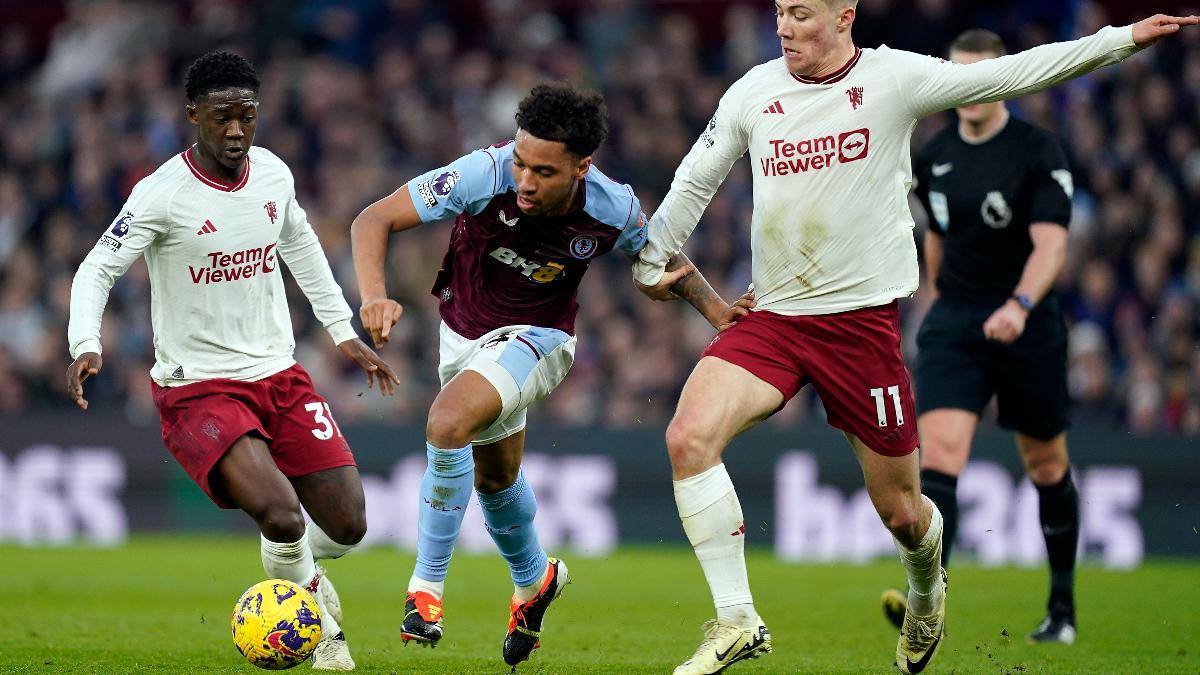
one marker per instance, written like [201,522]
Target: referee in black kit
[998,194]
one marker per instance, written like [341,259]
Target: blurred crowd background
[359,96]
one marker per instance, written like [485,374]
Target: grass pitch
[162,604]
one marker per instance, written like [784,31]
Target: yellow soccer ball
[276,624]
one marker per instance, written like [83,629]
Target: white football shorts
[523,363]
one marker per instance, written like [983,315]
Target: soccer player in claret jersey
[530,215]
[998,194]
[827,126]
[238,413]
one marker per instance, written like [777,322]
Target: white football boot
[921,635]
[332,653]
[725,644]
[330,602]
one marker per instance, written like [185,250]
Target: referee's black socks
[1058,506]
[942,489]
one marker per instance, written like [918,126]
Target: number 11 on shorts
[881,408]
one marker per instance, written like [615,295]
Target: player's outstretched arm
[369,241]
[87,365]
[927,85]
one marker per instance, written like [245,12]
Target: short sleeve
[466,184]
[1053,186]
[633,236]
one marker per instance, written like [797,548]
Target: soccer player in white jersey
[238,413]
[998,193]
[827,126]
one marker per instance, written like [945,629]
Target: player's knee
[281,522]
[447,429]
[349,531]
[1046,470]
[902,517]
[685,443]
[943,454]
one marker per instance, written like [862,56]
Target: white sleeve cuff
[89,345]
[648,274]
[341,331]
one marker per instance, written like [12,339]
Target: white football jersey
[832,230]
[217,302]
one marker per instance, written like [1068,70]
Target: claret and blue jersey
[506,268]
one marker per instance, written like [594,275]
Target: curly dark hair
[557,111]
[219,70]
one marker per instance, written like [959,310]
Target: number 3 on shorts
[881,409]
[323,416]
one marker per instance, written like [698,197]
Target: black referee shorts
[957,367]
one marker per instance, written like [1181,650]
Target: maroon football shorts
[852,358]
[201,421]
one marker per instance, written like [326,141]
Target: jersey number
[881,408]
[323,416]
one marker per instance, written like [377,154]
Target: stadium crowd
[359,96]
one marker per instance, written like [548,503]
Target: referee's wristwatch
[1026,303]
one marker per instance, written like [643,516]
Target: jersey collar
[836,76]
[984,139]
[212,181]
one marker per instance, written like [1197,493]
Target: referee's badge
[941,209]
[995,210]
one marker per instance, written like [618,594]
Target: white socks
[923,565]
[712,519]
[322,546]
[524,594]
[294,562]
[434,588]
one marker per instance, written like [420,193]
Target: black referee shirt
[982,198]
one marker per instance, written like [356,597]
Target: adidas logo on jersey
[775,108]
[207,228]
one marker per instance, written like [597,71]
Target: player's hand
[1007,323]
[375,367]
[662,290]
[1148,31]
[378,317]
[88,364]
[736,311]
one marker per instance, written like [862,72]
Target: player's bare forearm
[696,290]
[368,243]
[369,238]
[1046,261]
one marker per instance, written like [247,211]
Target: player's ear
[193,117]
[846,18]
[583,167]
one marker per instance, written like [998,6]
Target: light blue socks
[445,491]
[508,515]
